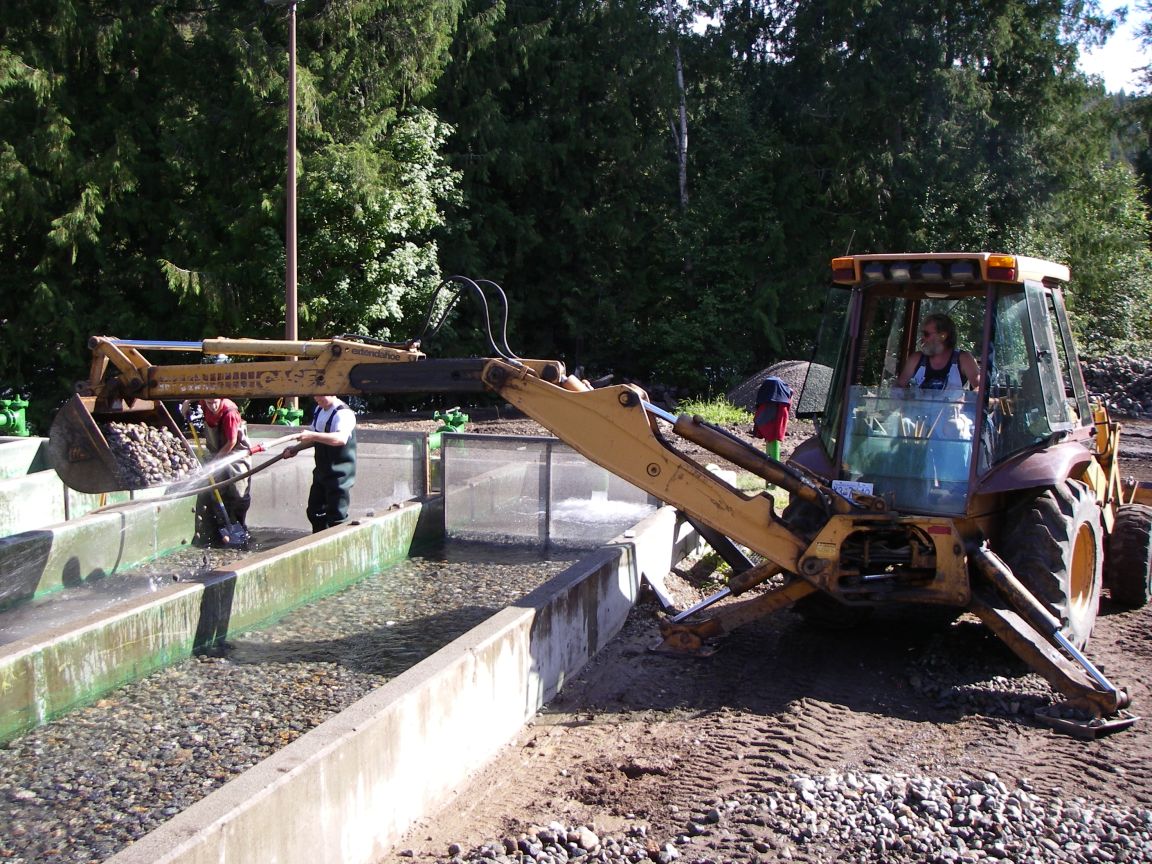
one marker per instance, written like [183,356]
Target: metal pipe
[659,412]
[546,494]
[273,347]
[1096,674]
[703,604]
[290,304]
[149,345]
[221,345]
[1037,616]
[738,583]
[290,309]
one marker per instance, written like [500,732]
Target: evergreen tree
[562,113]
[142,163]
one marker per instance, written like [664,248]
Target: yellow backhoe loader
[1004,499]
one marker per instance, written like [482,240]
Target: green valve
[281,416]
[452,420]
[12,421]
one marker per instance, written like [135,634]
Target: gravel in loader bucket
[118,450]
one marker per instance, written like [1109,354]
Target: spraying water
[202,477]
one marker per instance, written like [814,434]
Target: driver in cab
[939,364]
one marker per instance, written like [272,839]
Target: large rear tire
[1054,545]
[1130,556]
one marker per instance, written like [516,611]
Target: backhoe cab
[952,451]
[1022,455]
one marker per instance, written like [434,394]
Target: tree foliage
[142,171]
[659,198]
[815,129]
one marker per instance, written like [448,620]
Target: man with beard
[939,364]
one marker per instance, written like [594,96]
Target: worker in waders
[333,437]
[227,447]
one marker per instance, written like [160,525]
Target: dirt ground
[646,739]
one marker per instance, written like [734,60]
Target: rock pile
[859,816]
[791,372]
[899,818]
[1122,384]
[148,455]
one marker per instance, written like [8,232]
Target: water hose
[230,533]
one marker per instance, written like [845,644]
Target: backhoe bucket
[81,455]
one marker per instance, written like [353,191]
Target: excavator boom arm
[614,428]
[333,366]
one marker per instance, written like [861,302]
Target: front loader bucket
[82,456]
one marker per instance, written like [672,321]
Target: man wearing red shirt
[225,439]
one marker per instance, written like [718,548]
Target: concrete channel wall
[41,561]
[347,791]
[45,676]
[51,539]
[20,456]
[393,467]
[32,496]
[48,672]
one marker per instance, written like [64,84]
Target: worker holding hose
[228,450]
[333,436]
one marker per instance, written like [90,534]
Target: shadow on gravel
[914,668]
[385,650]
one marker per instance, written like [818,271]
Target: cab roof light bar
[897,270]
[961,267]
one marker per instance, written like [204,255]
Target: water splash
[217,467]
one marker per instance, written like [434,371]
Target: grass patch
[718,411]
[748,482]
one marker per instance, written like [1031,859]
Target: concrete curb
[347,791]
[42,561]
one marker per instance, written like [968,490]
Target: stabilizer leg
[1033,634]
[689,638]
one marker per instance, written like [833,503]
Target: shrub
[718,411]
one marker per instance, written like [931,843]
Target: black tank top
[338,462]
[937,379]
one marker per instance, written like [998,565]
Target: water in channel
[85,786]
[76,603]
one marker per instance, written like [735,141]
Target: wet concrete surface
[93,595]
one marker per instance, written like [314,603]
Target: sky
[1115,61]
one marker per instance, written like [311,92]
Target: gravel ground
[898,743]
[924,753]
[862,816]
[85,786]
[798,750]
